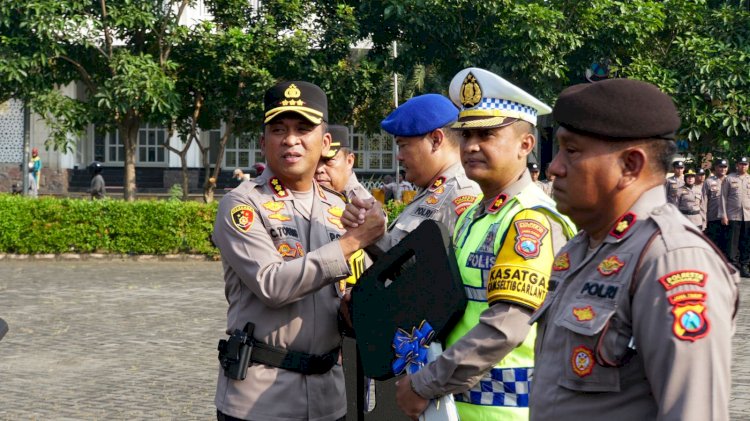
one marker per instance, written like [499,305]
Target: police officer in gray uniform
[429,153]
[283,249]
[735,213]
[675,181]
[640,313]
[690,201]
[715,230]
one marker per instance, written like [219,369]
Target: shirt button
[656,212]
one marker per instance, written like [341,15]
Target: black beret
[618,109]
[299,97]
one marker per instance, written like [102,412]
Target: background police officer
[675,181]
[715,230]
[690,201]
[283,249]
[735,213]
[639,319]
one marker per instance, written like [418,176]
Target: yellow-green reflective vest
[503,393]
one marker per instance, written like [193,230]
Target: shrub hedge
[51,225]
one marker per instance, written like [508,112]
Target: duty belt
[684,212]
[296,361]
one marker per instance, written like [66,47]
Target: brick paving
[129,340]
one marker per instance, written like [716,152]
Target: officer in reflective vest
[505,244]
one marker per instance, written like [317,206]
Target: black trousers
[718,233]
[222,417]
[739,244]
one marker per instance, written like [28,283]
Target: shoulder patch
[529,237]
[690,321]
[463,202]
[683,277]
[243,217]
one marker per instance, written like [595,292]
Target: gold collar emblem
[471,93]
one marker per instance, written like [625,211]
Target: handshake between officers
[284,251]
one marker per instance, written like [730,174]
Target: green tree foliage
[696,50]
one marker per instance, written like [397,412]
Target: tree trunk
[210,185]
[185,175]
[128,129]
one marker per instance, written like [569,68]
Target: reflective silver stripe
[476,294]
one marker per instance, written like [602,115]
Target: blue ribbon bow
[411,349]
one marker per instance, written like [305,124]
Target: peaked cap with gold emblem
[339,139]
[303,98]
[488,101]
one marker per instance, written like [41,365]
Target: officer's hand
[409,402]
[724,220]
[365,233]
[355,211]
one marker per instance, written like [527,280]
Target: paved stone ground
[125,340]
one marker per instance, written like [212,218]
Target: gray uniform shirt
[354,187]
[547,187]
[639,328]
[280,268]
[712,197]
[690,203]
[671,185]
[735,198]
[449,195]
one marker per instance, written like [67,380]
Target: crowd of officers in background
[718,205]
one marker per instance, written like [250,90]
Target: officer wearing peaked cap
[505,243]
[638,321]
[674,182]
[735,214]
[283,250]
[428,151]
[715,230]
[690,201]
[535,171]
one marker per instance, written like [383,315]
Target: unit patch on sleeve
[610,265]
[243,217]
[582,361]
[690,321]
[529,238]
[683,277]
[463,202]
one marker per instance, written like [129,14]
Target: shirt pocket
[582,323]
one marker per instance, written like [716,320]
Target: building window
[108,148]
[243,151]
[375,153]
[151,144]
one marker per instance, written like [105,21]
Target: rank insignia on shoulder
[498,203]
[278,187]
[690,321]
[243,217]
[610,265]
[529,238]
[562,262]
[683,277]
[437,183]
[582,361]
[583,314]
[623,225]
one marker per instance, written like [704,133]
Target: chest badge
[274,207]
[431,200]
[582,361]
[337,212]
[562,262]
[583,314]
[610,266]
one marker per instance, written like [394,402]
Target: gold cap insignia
[471,93]
[292,92]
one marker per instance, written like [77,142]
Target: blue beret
[420,115]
